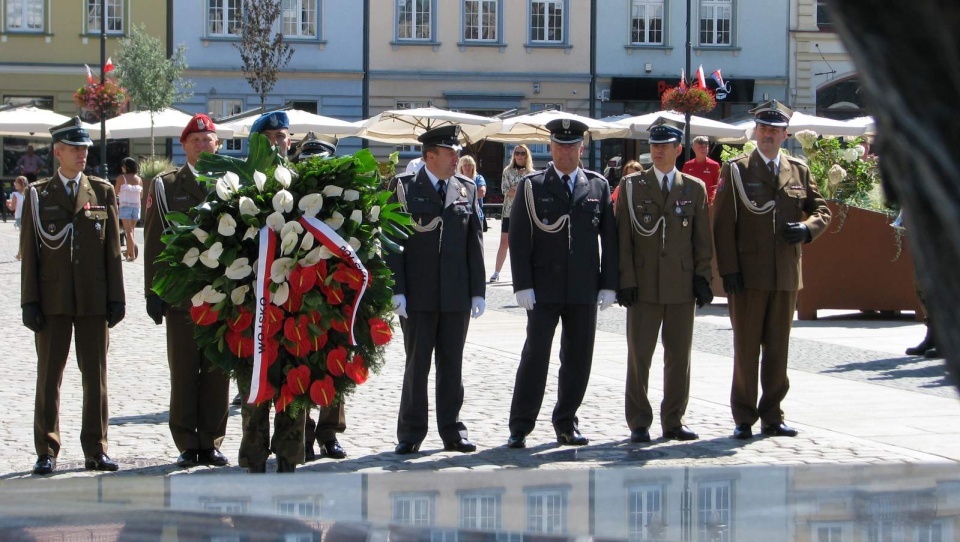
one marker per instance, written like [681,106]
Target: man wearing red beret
[198,390]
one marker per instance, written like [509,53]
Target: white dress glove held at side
[400,305]
[606,298]
[477,306]
[526,299]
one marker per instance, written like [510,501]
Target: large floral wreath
[284,270]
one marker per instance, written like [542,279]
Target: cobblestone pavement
[836,385]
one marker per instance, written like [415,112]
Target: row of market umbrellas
[402,126]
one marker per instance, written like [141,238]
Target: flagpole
[686,115]
[102,173]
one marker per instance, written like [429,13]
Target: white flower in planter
[836,174]
[807,138]
[850,155]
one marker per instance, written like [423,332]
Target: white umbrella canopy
[824,126]
[169,122]
[868,123]
[699,126]
[403,126]
[301,122]
[531,128]
[36,123]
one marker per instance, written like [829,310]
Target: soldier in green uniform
[767,206]
[199,391]
[71,280]
[665,254]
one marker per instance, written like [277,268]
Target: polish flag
[683,80]
[90,78]
[700,81]
[108,67]
[718,79]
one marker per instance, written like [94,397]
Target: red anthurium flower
[298,379]
[295,328]
[286,397]
[271,351]
[357,371]
[298,349]
[337,361]
[241,321]
[240,345]
[321,270]
[322,391]
[272,319]
[204,315]
[294,302]
[380,332]
[350,276]
[317,342]
[314,317]
[302,279]
[333,293]
[338,325]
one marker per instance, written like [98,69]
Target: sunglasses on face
[519,153]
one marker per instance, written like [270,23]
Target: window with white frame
[301,508]
[114,16]
[411,105]
[413,509]
[547,511]
[220,108]
[546,21]
[300,18]
[227,506]
[646,22]
[223,17]
[714,511]
[645,519]
[25,15]
[414,19]
[826,532]
[823,15]
[716,22]
[480,511]
[480,20]
[932,532]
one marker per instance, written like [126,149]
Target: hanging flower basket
[101,100]
[691,100]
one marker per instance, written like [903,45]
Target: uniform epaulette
[463,178]
[40,182]
[166,172]
[404,176]
[91,178]
[794,159]
[737,157]
[592,174]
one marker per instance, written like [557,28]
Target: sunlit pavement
[854,396]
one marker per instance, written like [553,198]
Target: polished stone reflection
[829,503]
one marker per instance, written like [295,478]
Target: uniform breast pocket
[549,210]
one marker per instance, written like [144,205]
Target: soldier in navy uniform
[563,252]
[439,285]
[665,254]
[199,391]
[71,280]
[767,206]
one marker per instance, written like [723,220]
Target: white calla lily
[250,233]
[227,226]
[307,242]
[211,256]
[289,243]
[259,178]
[283,202]
[283,176]
[281,295]
[354,243]
[374,213]
[200,234]
[314,256]
[332,191]
[311,204]
[228,185]
[281,268]
[207,295]
[240,268]
[335,220]
[191,257]
[357,216]
[291,226]
[238,294]
[248,207]
[351,195]
[276,221]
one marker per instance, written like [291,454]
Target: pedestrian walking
[767,205]
[521,164]
[71,281]
[439,285]
[665,267]
[563,254]
[199,389]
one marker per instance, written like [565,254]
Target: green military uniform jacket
[177,191]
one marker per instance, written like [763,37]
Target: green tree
[152,79]
[262,52]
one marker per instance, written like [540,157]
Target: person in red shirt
[702,167]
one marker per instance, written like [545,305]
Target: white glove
[400,305]
[606,298]
[526,299]
[477,306]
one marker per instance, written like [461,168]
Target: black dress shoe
[517,440]
[45,464]
[933,353]
[779,430]
[461,445]
[257,468]
[189,458]
[309,454]
[332,449]
[680,433]
[572,438]
[405,448]
[237,401]
[640,435]
[742,431]
[212,457]
[285,466]
[101,462]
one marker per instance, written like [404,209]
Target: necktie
[664,188]
[442,189]
[72,190]
[772,167]
[566,183]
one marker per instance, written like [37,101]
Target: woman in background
[129,187]
[520,164]
[467,167]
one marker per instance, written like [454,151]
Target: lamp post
[103,77]
[686,115]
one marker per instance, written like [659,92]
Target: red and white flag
[90,78]
[718,79]
[700,81]
[108,67]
